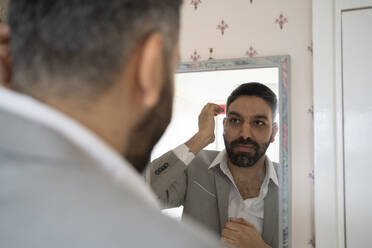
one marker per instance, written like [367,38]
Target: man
[233,192]
[86,74]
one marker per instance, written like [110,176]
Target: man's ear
[274,132]
[150,78]
[224,124]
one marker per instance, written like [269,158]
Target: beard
[148,132]
[245,159]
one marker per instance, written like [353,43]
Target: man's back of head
[105,64]
[78,47]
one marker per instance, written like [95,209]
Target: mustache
[242,141]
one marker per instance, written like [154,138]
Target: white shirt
[107,158]
[251,209]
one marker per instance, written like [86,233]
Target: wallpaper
[221,29]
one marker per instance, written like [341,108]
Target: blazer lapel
[271,213]
[223,187]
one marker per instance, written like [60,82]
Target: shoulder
[109,215]
[144,220]
[204,159]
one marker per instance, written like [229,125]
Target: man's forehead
[250,106]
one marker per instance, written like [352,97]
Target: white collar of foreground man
[110,161]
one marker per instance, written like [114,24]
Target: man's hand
[205,135]
[5,60]
[239,233]
[206,121]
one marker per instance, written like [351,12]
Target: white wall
[254,24]
[342,89]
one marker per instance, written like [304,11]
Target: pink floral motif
[281,21]
[310,48]
[210,54]
[312,242]
[196,3]
[285,73]
[311,111]
[222,26]
[195,56]
[311,175]
[251,52]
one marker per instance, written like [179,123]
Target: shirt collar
[271,172]
[107,158]
[221,156]
[221,159]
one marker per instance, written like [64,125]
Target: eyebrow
[259,116]
[234,113]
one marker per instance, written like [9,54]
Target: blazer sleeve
[168,178]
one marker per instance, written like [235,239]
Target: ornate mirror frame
[283,64]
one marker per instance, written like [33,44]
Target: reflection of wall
[256,28]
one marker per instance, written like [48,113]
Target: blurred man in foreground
[86,74]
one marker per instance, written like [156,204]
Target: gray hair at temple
[77,47]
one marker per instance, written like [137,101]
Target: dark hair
[254,89]
[83,44]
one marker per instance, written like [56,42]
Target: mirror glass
[197,83]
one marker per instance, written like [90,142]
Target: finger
[208,108]
[217,109]
[228,242]
[241,221]
[222,106]
[233,226]
[4,33]
[229,234]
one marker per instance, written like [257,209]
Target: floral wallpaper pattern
[310,48]
[195,3]
[195,56]
[222,26]
[251,52]
[281,21]
[248,28]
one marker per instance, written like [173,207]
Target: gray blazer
[53,195]
[204,192]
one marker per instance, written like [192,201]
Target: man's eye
[234,120]
[259,123]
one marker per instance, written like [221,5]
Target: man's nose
[246,131]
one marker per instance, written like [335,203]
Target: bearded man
[233,192]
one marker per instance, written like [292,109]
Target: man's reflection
[233,192]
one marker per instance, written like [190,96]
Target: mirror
[197,83]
